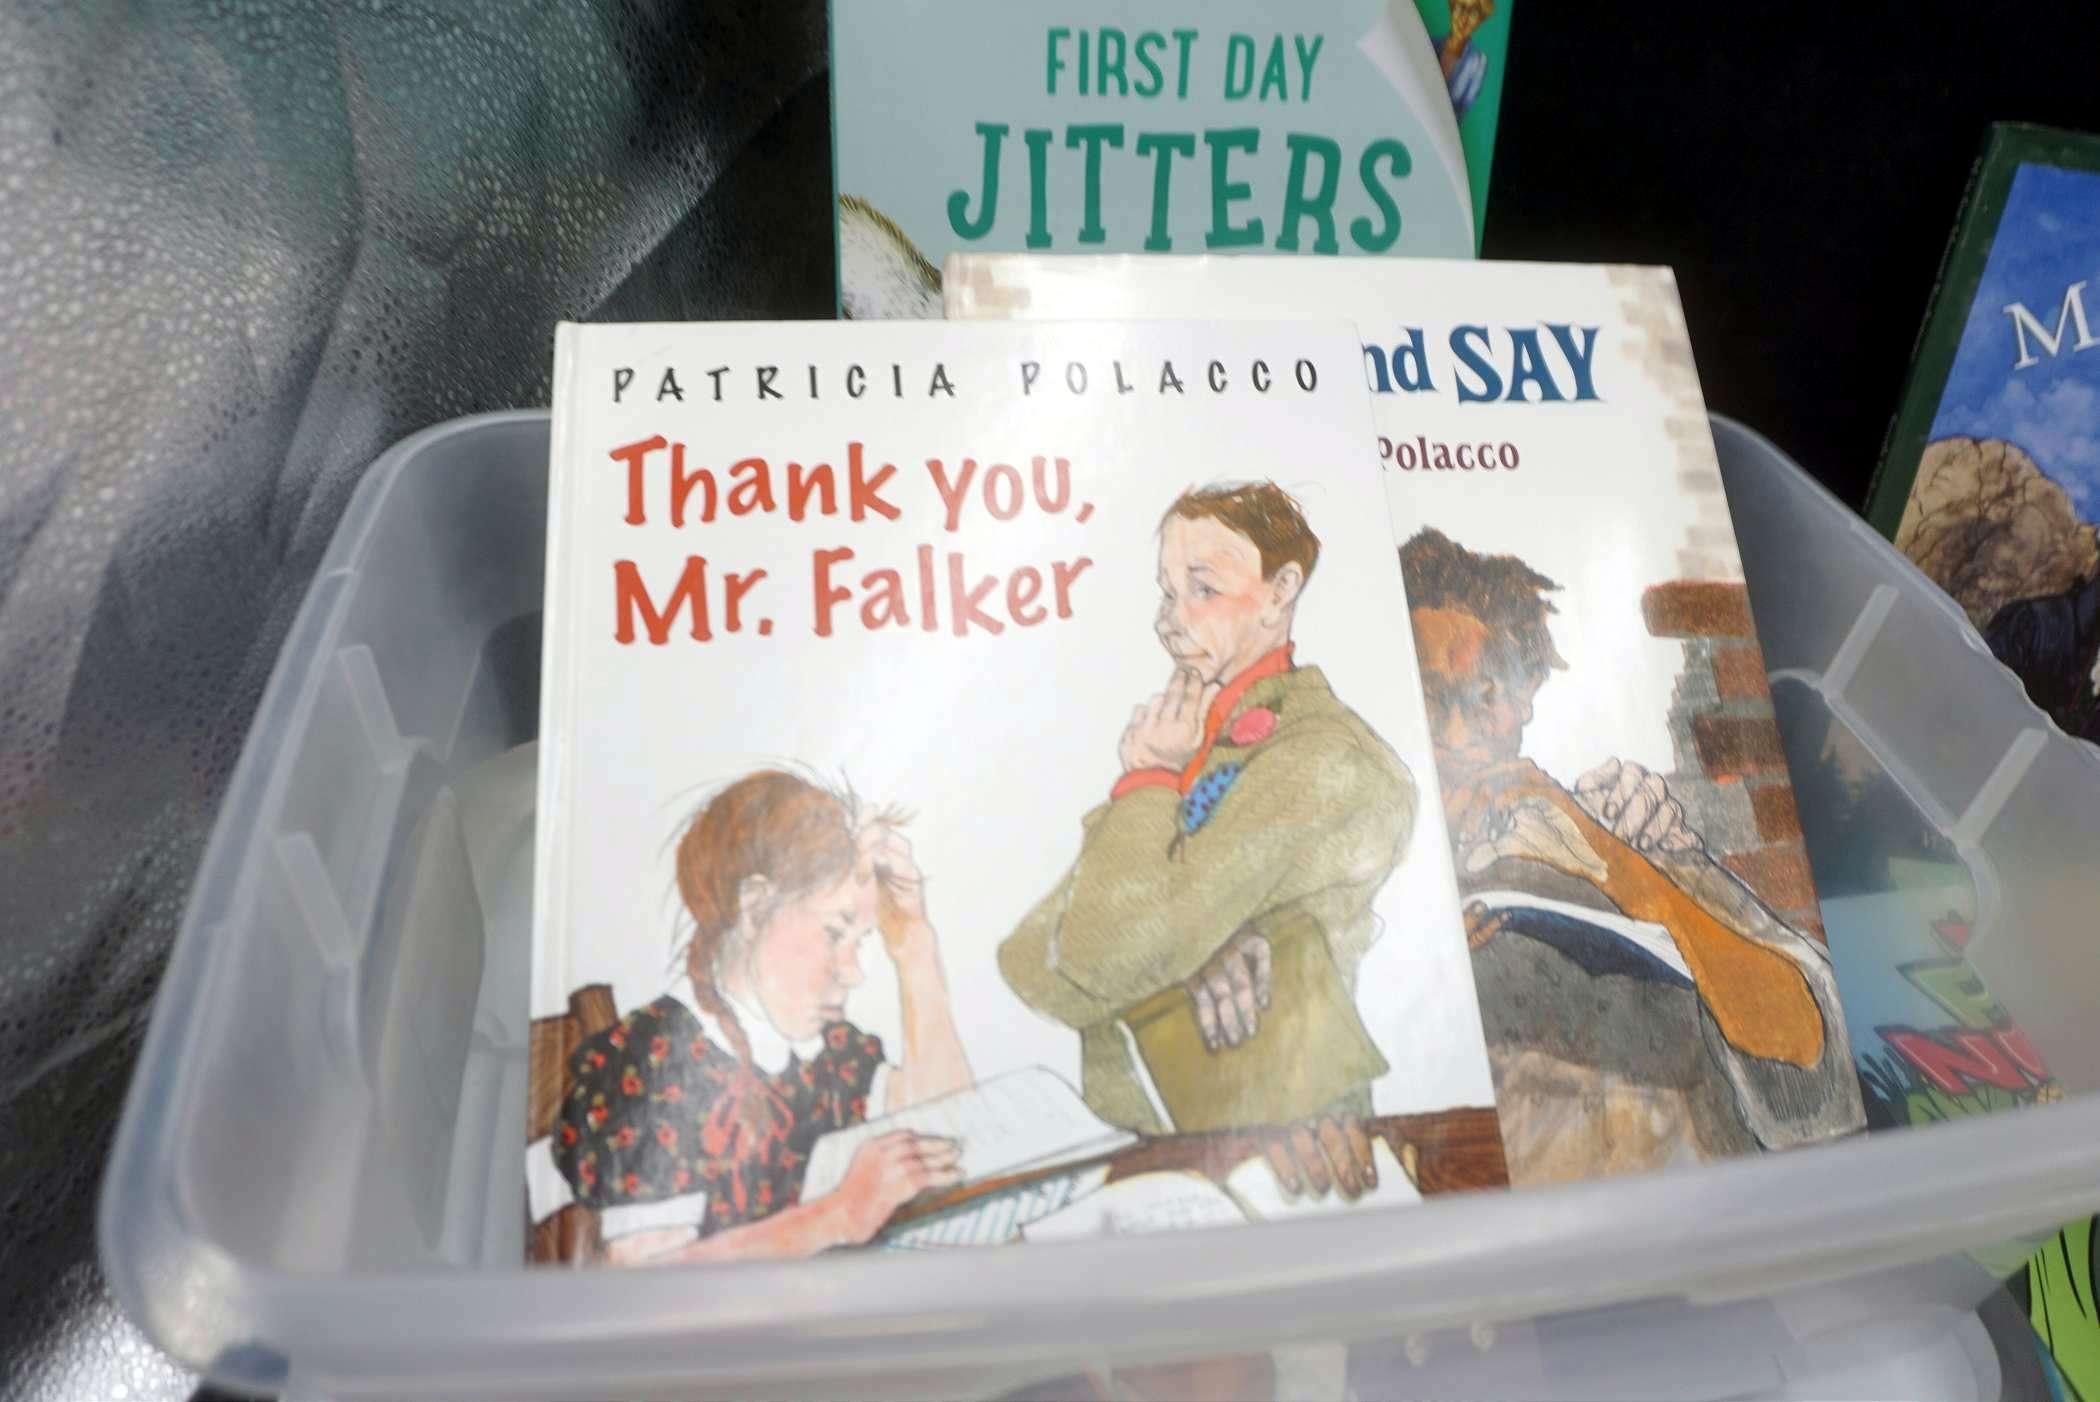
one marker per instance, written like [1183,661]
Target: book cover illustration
[1095,125]
[1991,480]
[1471,38]
[1932,1041]
[1643,921]
[1935,1044]
[972,782]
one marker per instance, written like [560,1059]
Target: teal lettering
[1147,61]
[1184,39]
[1091,137]
[988,199]
[1054,65]
[1111,68]
[1318,206]
[1307,57]
[1038,139]
[1224,190]
[1275,74]
[1383,235]
[1239,67]
[1162,146]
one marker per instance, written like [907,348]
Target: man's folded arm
[1027,961]
[1310,810]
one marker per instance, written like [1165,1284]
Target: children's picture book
[974,772]
[1933,1043]
[1990,481]
[1232,126]
[1471,39]
[1637,898]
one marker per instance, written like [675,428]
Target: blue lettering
[1527,366]
[1475,359]
[1579,359]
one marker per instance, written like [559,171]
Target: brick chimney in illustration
[1729,769]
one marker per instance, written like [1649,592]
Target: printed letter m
[2025,324]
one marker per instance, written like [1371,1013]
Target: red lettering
[755,491]
[682,485]
[1952,1068]
[1062,575]
[952,492]
[887,599]
[992,481]
[963,602]
[2013,1042]
[630,596]
[885,602]
[1021,590]
[803,482]
[866,492]
[734,587]
[928,619]
[1043,497]
[633,455]
[829,595]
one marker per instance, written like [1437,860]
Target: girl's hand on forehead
[900,888]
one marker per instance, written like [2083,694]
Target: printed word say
[1511,364]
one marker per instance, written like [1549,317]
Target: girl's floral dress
[656,1109]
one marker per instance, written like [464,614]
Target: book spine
[1889,488]
[550,924]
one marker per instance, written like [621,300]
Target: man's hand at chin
[1165,732]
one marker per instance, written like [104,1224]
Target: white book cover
[1602,724]
[980,744]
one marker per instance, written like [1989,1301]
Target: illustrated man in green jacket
[1250,802]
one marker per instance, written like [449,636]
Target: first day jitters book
[985,795]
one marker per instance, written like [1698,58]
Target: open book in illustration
[1178,1201]
[1015,1131]
[1599,941]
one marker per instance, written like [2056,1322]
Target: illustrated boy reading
[1254,820]
[1609,1055]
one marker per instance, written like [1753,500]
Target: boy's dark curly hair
[1501,591]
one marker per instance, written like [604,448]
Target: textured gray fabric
[243,248]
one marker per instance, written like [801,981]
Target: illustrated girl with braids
[689,1128]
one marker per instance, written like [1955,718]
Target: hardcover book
[973,774]
[1637,899]
[1093,124]
[1990,481]
[1471,39]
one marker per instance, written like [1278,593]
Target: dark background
[243,248]
[1799,165]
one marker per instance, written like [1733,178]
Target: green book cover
[1102,126]
[1472,53]
[1990,479]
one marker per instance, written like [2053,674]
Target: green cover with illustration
[1347,127]
[1472,44]
[1990,481]
[1990,484]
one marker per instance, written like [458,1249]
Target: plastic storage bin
[316,1187]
